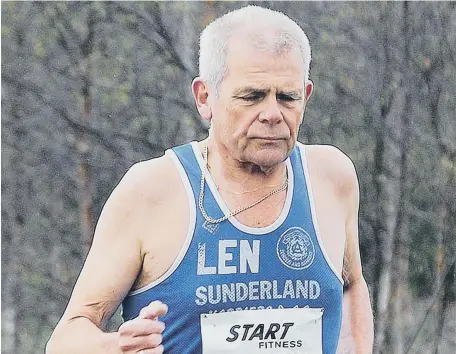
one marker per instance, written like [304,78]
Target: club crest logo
[295,249]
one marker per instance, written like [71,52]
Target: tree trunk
[433,78]
[16,214]
[400,292]
[445,276]
[84,144]
[446,299]
[388,172]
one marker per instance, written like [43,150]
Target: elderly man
[237,243]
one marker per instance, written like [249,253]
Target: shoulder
[330,164]
[147,188]
[149,179]
[146,184]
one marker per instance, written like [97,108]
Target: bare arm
[110,270]
[337,184]
[360,317]
[346,343]
[357,307]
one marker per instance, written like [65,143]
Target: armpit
[345,273]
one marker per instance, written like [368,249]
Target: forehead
[247,65]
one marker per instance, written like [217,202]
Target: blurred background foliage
[89,88]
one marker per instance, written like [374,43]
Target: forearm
[346,343]
[82,336]
[360,316]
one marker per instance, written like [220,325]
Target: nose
[271,113]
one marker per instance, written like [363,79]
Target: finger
[141,327]
[153,310]
[158,350]
[134,344]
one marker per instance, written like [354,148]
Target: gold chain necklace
[237,211]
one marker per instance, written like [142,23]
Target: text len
[232,258]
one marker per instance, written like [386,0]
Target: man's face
[260,106]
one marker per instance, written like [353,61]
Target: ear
[308,92]
[200,91]
[309,89]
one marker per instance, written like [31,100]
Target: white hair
[266,30]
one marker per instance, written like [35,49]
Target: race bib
[277,331]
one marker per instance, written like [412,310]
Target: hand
[143,334]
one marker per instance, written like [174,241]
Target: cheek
[295,121]
[241,121]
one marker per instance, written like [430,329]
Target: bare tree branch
[102,137]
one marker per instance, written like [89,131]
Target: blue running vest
[231,267]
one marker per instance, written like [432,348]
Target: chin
[268,157]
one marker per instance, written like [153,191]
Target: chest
[258,210]
[223,252]
[226,270]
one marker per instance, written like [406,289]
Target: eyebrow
[293,94]
[246,90]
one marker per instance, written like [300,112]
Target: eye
[286,98]
[252,97]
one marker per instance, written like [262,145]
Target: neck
[233,175]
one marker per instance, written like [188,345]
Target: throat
[247,182]
[261,214]
[251,189]
[259,199]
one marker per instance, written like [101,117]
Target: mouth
[269,138]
